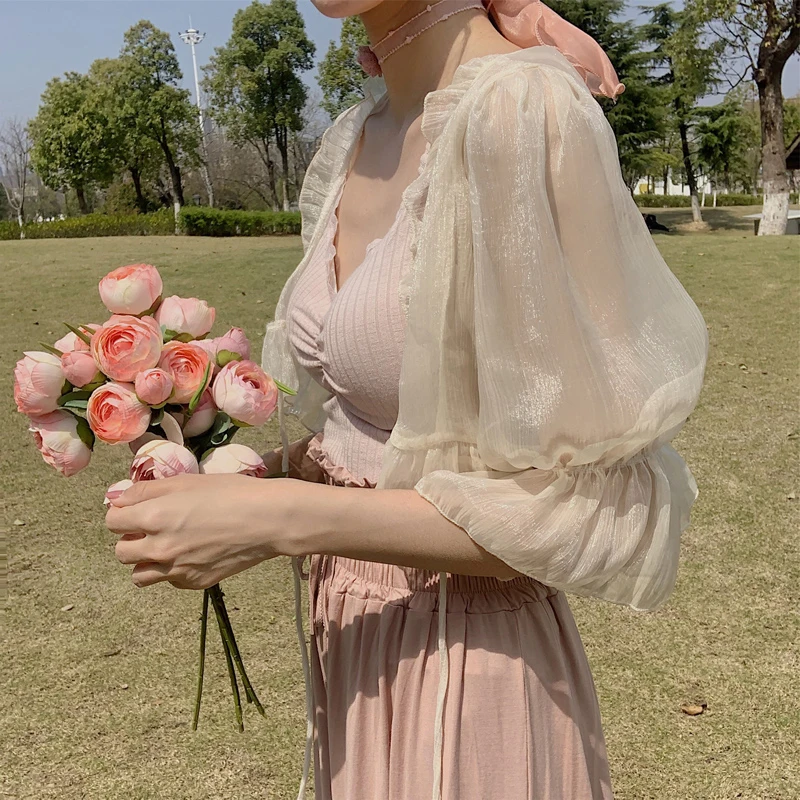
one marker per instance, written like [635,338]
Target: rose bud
[153,386]
[162,459]
[70,342]
[116,490]
[186,364]
[38,383]
[131,290]
[115,413]
[64,441]
[233,459]
[210,346]
[126,346]
[232,346]
[202,419]
[245,393]
[185,318]
[80,368]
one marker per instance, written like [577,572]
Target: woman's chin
[338,9]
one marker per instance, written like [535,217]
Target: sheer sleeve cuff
[611,532]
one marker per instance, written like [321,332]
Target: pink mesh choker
[370,57]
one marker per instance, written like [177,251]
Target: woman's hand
[301,467]
[196,530]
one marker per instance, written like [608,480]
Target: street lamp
[193,37]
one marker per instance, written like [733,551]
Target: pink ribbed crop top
[351,341]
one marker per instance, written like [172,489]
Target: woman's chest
[351,341]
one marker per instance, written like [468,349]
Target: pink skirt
[521,717]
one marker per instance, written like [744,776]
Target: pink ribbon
[530,22]
[527,23]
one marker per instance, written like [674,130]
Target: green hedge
[684,201]
[159,223]
[196,221]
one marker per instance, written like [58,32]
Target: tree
[721,138]
[637,117]
[253,86]
[689,72]
[15,154]
[763,34]
[340,74]
[151,101]
[131,148]
[71,138]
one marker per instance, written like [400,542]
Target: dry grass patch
[728,637]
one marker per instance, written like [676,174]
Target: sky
[40,39]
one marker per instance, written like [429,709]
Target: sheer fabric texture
[550,353]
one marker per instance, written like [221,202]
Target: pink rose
[80,369]
[233,459]
[126,346]
[245,393]
[232,346]
[202,419]
[70,342]
[38,381]
[116,490]
[162,459]
[131,290]
[185,317]
[186,364]
[153,386]
[64,441]
[116,414]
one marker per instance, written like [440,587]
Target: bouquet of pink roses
[151,378]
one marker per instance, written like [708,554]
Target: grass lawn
[96,700]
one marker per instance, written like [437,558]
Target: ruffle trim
[338,473]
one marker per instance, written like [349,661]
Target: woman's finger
[132,549]
[147,574]
[150,490]
[126,521]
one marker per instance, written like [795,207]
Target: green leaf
[284,388]
[158,415]
[52,350]
[85,433]
[193,403]
[76,404]
[79,333]
[226,356]
[69,397]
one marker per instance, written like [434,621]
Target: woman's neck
[429,61]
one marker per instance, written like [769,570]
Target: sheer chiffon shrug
[551,355]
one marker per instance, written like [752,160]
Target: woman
[482,332]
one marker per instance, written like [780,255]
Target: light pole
[193,37]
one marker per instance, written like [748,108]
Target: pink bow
[530,22]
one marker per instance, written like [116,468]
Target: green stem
[237,701]
[201,669]
[217,597]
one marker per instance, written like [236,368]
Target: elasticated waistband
[420,580]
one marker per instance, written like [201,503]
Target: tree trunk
[21,223]
[177,185]
[666,180]
[683,128]
[774,178]
[84,209]
[281,140]
[141,202]
[271,180]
